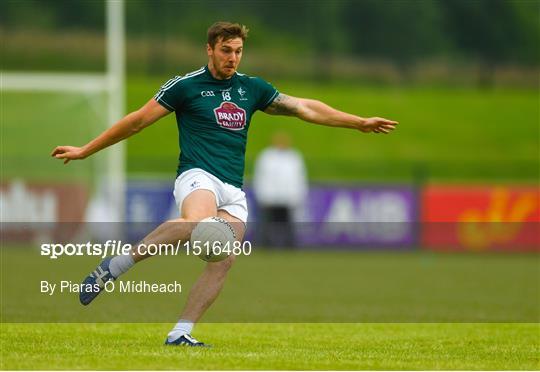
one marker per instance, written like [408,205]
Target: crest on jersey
[230,116]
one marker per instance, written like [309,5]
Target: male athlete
[213,107]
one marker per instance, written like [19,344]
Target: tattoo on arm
[283,105]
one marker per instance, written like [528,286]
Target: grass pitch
[286,310]
[444,134]
[289,287]
[273,346]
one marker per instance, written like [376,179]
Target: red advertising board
[31,209]
[501,218]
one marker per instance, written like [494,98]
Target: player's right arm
[127,126]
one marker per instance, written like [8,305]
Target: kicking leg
[202,204]
[197,206]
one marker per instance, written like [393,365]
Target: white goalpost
[111,83]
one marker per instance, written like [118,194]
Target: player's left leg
[209,284]
[207,288]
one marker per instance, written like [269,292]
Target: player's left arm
[317,112]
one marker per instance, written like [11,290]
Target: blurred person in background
[280,185]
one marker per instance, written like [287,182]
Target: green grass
[444,134]
[33,124]
[450,135]
[283,310]
[273,346]
[313,287]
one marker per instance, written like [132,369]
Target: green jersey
[213,119]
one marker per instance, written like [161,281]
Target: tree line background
[381,40]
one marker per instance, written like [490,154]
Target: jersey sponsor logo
[230,116]
[208,93]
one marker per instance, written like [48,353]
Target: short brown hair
[226,31]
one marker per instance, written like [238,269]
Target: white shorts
[228,197]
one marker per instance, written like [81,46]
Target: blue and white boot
[186,340]
[94,283]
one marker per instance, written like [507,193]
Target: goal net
[42,110]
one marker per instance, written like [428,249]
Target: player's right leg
[204,205]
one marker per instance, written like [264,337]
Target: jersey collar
[220,80]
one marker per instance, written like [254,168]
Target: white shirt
[280,178]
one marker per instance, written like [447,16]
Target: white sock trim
[183,327]
[121,264]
